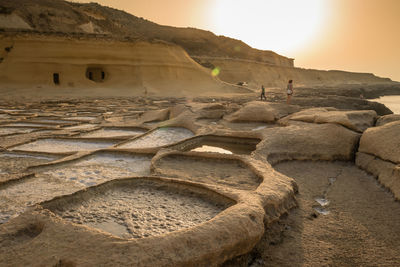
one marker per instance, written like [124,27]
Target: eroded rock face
[340,102]
[257,111]
[308,141]
[155,115]
[379,153]
[387,119]
[209,111]
[382,142]
[358,120]
[387,172]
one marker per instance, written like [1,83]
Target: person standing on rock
[289,91]
[262,93]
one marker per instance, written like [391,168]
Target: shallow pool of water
[214,149]
[63,145]
[160,137]
[220,144]
[228,147]
[322,210]
[322,201]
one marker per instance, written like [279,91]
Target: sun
[284,26]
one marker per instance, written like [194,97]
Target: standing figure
[262,93]
[289,90]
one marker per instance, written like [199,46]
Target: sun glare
[284,26]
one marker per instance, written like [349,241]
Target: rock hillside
[58,16]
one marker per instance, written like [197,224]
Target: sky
[350,35]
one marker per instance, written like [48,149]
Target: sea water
[390,101]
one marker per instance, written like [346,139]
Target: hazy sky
[352,35]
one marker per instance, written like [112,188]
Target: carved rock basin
[135,208]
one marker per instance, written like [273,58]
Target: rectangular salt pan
[100,168]
[112,133]
[17,162]
[29,124]
[160,137]
[62,145]
[53,121]
[15,198]
[12,130]
[81,118]
[33,156]
[81,127]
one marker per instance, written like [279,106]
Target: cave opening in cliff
[95,74]
[56,78]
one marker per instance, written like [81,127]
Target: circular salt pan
[137,208]
[160,137]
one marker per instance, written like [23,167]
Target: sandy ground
[361,228]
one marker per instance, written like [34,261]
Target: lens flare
[215,72]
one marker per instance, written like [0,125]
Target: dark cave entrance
[56,78]
[95,74]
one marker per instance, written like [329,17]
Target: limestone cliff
[257,73]
[70,66]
